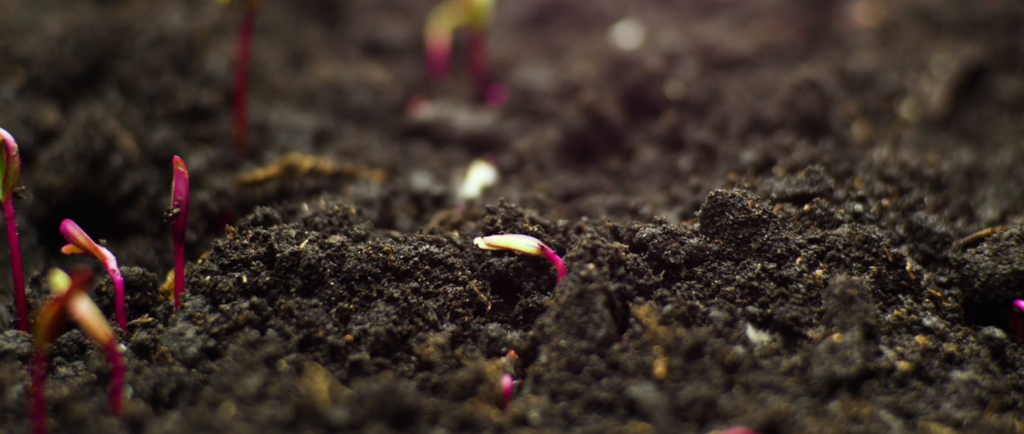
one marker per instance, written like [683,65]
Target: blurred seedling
[475,16]
[177,216]
[244,53]
[71,306]
[523,244]
[508,387]
[80,242]
[480,175]
[11,167]
[508,383]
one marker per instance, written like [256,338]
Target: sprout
[241,98]
[70,305]
[476,17]
[480,175]
[508,386]
[82,243]
[177,215]
[523,244]
[10,165]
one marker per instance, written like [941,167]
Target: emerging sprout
[1017,319]
[80,242]
[480,175]
[523,244]
[177,215]
[241,96]
[10,174]
[475,16]
[508,386]
[72,306]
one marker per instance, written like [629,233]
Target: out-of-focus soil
[766,210]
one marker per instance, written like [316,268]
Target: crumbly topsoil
[801,216]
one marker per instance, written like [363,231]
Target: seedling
[82,243]
[523,244]
[177,215]
[442,23]
[71,305]
[241,96]
[480,175]
[508,386]
[10,164]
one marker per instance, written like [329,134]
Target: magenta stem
[16,265]
[117,373]
[179,270]
[508,387]
[39,368]
[122,314]
[556,261]
[476,53]
[241,102]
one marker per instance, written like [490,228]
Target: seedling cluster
[71,306]
[1017,319]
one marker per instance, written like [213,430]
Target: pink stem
[179,270]
[508,387]
[241,101]
[39,368]
[16,265]
[438,58]
[122,314]
[117,373]
[555,260]
[476,53]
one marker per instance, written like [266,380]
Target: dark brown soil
[766,212]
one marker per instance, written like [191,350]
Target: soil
[800,216]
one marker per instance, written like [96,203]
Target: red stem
[179,271]
[556,261]
[39,368]
[245,33]
[476,53]
[16,265]
[117,372]
[122,314]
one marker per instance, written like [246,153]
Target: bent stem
[524,244]
[11,218]
[80,242]
[241,100]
